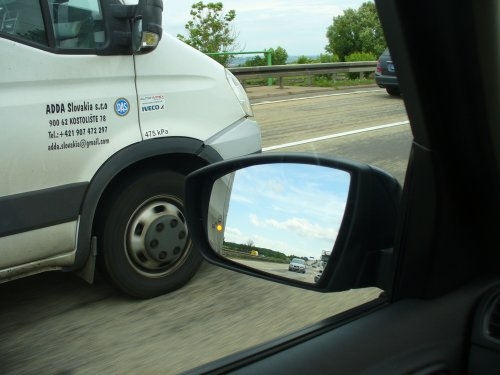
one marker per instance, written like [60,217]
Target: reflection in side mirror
[281,219]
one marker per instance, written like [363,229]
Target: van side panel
[59,122]
[185,95]
[62,117]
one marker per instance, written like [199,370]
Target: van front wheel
[144,236]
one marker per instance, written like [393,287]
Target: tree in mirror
[282,219]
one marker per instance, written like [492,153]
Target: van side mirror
[319,223]
[147,30]
[132,28]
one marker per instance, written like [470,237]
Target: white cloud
[298,226]
[240,198]
[234,235]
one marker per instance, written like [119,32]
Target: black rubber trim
[41,208]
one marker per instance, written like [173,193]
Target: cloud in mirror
[274,215]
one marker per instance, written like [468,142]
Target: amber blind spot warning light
[149,40]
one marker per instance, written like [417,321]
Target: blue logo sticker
[122,107]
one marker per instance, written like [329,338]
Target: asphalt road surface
[365,125]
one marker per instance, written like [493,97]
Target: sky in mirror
[292,208]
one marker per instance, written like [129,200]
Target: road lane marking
[316,97]
[337,135]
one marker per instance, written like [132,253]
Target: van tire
[144,239]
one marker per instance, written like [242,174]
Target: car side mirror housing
[314,222]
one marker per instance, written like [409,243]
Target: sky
[291,208]
[299,26]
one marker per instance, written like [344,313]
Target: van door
[64,112]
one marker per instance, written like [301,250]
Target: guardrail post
[269,58]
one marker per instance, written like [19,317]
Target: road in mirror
[280,218]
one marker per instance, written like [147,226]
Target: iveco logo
[148,108]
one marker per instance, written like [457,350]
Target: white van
[102,116]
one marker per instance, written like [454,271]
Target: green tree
[357,56]
[210,30]
[256,61]
[303,60]
[328,58]
[356,31]
[278,57]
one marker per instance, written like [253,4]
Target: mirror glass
[280,218]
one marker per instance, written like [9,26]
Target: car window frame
[426,203]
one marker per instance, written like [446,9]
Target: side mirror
[131,28]
[147,30]
[319,223]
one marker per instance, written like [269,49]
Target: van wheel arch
[186,155]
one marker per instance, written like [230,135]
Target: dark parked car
[385,75]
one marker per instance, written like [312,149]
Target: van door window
[22,18]
[77,24]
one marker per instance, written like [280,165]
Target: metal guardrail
[293,70]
